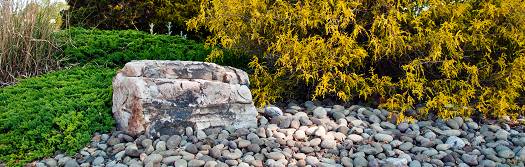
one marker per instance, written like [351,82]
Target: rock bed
[312,134]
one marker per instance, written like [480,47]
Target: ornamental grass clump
[57,111]
[457,57]
[28,42]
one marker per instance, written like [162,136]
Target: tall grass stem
[28,39]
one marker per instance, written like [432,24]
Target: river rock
[383,137]
[470,159]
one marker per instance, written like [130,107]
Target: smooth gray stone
[367,149]
[174,141]
[71,163]
[426,165]
[506,154]
[418,149]
[347,162]
[406,146]
[273,111]
[424,123]
[360,161]
[155,158]
[383,137]
[429,144]
[120,165]
[463,165]
[442,147]
[454,141]
[470,159]
[430,152]
[415,163]
[171,159]
[397,161]
[421,158]
[275,156]
[494,158]
[487,163]
[402,127]
[452,132]
[196,163]
[319,112]
[98,161]
[388,125]
[501,135]
[310,160]
[436,130]
[181,163]
[458,120]
[436,162]
[285,123]
[339,115]
[373,163]
[449,158]
[231,155]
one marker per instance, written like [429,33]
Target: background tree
[456,56]
[133,14]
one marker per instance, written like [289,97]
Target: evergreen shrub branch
[467,54]
[112,48]
[57,111]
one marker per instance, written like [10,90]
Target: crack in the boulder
[238,77]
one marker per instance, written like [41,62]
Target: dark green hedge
[57,111]
[116,48]
[112,48]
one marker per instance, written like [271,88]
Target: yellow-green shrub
[457,56]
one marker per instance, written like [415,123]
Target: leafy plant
[116,48]
[468,54]
[57,111]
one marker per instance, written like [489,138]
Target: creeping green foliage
[57,111]
[116,48]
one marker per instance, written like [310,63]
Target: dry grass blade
[28,42]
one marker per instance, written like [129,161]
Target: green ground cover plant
[112,48]
[56,111]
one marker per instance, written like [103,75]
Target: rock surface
[153,97]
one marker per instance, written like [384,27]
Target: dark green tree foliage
[116,48]
[57,111]
[133,14]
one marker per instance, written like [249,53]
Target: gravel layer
[313,134]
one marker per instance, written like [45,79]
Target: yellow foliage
[117,7]
[458,57]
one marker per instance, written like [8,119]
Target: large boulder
[156,97]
